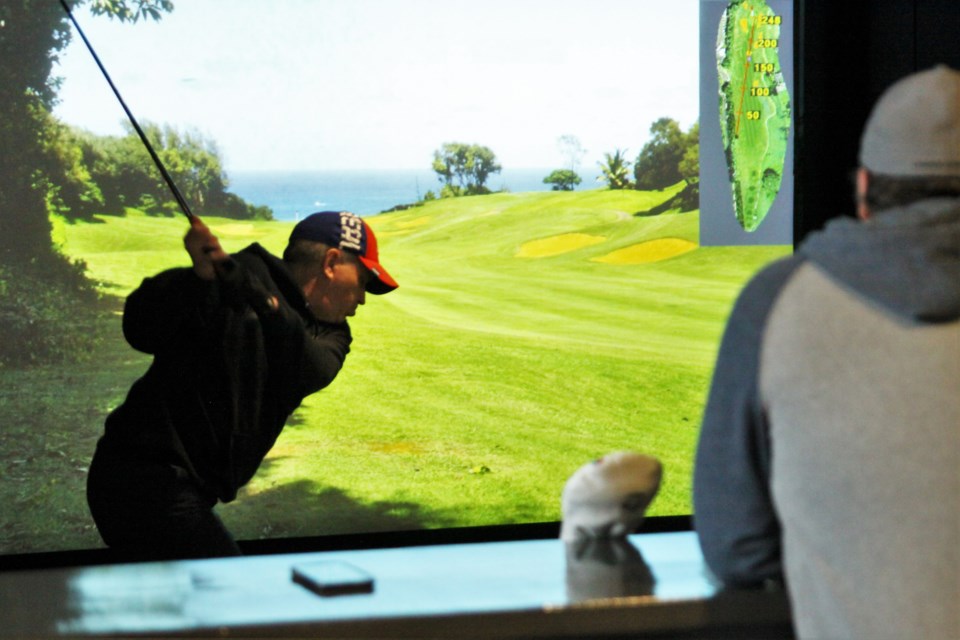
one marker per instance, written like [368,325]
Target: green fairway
[496,370]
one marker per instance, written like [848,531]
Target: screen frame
[810,38]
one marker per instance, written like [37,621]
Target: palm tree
[616,170]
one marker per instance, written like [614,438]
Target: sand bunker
[652,251]
[235,229]
[556,245]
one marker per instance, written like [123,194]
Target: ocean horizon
[295,194]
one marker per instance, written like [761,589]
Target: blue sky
[380,84]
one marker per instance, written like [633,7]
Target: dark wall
[849,52]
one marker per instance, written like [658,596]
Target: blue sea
[293,195]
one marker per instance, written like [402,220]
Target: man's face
[343,291]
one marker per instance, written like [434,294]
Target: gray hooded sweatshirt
[829,454]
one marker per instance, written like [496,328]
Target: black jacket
[227,372]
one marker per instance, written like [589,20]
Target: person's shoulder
[170,278]
[255,251]
[770,280]
[257,258]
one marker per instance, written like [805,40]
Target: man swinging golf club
[237,342]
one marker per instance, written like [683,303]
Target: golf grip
[153,154]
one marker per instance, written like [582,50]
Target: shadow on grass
[296,419]
[309,508]
[686,200]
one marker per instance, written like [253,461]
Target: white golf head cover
[608,497]
[599,568]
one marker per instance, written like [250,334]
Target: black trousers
[146,511]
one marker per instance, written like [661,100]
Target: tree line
[670,156]
[40,172]
[48,167]
[108,174]
[41,290]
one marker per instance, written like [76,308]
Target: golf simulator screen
[570,194]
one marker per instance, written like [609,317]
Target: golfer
[237,342]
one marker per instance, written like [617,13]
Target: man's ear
[330,260]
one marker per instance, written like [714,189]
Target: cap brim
[380,282]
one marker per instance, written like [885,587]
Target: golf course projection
[548,181]
[754,107]
[531,332]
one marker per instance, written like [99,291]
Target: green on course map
[754,107]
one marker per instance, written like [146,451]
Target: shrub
[48,314]
[562,179]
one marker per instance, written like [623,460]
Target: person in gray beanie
[829,454]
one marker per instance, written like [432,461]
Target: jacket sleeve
[734,515]
[166,307]
[326,347]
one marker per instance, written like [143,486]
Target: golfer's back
[864,408]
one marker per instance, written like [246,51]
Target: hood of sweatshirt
[905,260]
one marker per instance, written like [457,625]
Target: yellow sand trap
[556,245]
[652,251]
[239,229]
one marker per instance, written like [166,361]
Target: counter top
[646,583]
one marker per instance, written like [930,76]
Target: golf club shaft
[143,137]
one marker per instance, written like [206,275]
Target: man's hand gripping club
[205,251]
[211,261]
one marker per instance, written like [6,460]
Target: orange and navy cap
[348,232]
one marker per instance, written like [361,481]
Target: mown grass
[471,393]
